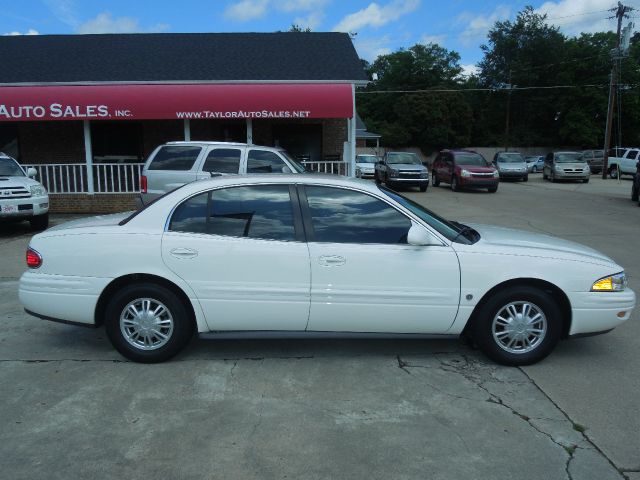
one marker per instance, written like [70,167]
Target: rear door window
[223,160]
[175,157]
[264,161]
[632,154]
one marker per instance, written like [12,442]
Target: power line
[497,89]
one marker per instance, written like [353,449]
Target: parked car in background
[595,159]
[511,165]
[464,169]
[402,169]
[175,163]
[565,166]
[209,257]
[21,196]
[366,165]
[535,163]
[622,161]
[635,187]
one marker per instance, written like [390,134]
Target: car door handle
[331,260]
[183,252]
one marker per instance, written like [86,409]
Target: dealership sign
[183,101]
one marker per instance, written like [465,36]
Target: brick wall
[92,203]
[51,142]
[334,134]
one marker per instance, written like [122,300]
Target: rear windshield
[473,159]
[510,158]
[399,158]
[569,157]
[176,157]
[10,168]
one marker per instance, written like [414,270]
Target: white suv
[176,163]
[22,197]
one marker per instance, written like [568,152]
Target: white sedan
[316,255]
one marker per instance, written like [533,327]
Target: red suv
[464,168]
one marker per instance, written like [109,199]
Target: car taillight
[143,184]
[34,259]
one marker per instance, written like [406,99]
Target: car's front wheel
[518,326]
[613,171]
[377,179]
[147,323]
[423,188]
[454,184]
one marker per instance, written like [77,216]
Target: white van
[175,163]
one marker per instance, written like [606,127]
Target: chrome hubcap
[519,327]
[146,324]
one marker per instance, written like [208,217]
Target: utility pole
[506,128]
[620,13]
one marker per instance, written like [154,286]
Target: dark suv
[464,168]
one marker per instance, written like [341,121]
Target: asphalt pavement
[71,407]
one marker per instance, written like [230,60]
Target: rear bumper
[61,297]
[594,312]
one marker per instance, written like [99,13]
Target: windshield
[569,157]
[510,158]
[398,158]
[453,231]
[10,168]
[472,159]
[297,166]
[366,159]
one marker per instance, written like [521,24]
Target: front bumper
[508,174]
[24,207]
[367,174]
[482,182]
[594,312]
[571,175]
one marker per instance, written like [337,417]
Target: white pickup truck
[624,162]
[21,196]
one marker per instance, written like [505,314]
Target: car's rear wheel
[518,326]
[613,171]
[147,323]
[435,179]
[39,222]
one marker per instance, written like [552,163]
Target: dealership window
[9,140]
[117,142]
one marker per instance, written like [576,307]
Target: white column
[249,131]
[352,135]
[88,155]
[187,130]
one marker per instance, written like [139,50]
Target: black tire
[552,177]
[435,179]
[635,192]
[482,327]
[423,188]
[534,169]
[492,189]
[454,184]
[613,171]
[39,222]
[180,335]
[525,178]
[544,174]
[377,179]
[586,180]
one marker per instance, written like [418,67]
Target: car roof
[209,143]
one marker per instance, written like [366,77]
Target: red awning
[175,101]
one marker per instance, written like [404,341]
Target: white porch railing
[72,177]
[337,168]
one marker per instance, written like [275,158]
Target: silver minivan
[175,163]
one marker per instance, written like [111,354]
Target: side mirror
[286,169]
[32,172]
[215,174]
[419,236]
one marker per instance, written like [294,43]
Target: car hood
[12,182]
[98,221]
[537,244]
[512,166]
[407,166]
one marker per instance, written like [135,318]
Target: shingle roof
[190,57]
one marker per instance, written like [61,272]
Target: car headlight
[465,173]
[586,168]
[612,283]
[557,168]
[496,173]
[37,190]
[393,173]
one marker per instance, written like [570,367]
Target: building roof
[180,57]
[361,129]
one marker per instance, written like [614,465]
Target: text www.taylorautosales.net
[243,114]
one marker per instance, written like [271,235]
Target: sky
[379,27]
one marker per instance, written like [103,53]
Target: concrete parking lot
[71,407]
